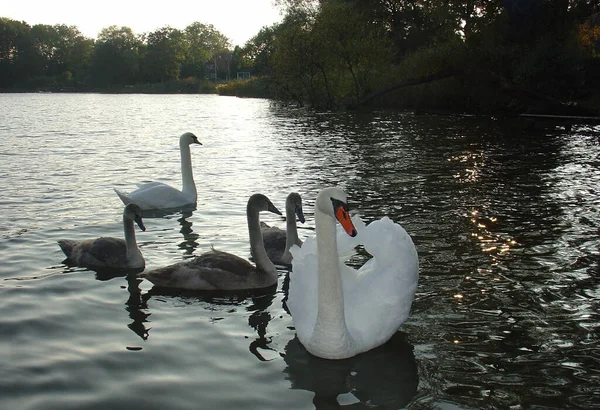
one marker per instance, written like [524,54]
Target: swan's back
[96,253]
[274,240]
[213,270]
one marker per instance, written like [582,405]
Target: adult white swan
[156,195]
[338,311]
[108,252]
[217,270]
[278,241]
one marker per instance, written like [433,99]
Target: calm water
[507,312]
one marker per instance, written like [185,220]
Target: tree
[166,51]
[116,57]
[18,60]
[256,55]
[204,44]
[61,48]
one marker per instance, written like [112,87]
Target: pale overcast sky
[239,20]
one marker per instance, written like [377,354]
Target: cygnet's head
[188,139]
[134,212]
[333,202]
[295,201]
[259,202]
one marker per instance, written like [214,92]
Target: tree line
[470,55]
[59,56]
[473,55]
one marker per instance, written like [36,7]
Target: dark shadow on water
[102,274]
[137,306]
[190,238]
[383,378]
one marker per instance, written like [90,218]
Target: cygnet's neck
[133,253]
[257,247]
[291,230]
[187,177]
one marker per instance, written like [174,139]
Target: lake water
[505,219]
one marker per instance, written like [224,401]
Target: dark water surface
[506,222]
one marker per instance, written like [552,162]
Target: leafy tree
[256,55]
[18,60]
[204,44]
[116,57]
[165,54]
[61,48]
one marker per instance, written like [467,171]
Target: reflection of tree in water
[385,377]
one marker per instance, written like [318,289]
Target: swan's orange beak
[342,215]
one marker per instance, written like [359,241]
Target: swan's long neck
[257,246]
[187,177]
[132,249]
[330,315]
[291,230]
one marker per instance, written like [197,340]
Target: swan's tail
[67,246]
[123,197]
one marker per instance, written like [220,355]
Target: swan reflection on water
[190,238]
[385,376]
[262,299]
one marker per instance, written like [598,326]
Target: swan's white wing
[378,298]
[146,185]
[158,196]
[302,294]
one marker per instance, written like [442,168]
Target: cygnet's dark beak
[138,220]
[300,214]
[273,208]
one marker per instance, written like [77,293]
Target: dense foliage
[477,55]
[472,55]
[59,57]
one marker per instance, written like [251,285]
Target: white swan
[108,252]
[156,195]
[217,270]
[277,241]
[338,311]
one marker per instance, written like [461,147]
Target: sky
[239,20]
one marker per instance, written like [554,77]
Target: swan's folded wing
[385,285]
[209,271]
[274,238]
[302,294]
[109,249]
[160,196]
[145,185]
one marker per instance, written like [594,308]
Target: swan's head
[134,212]
[333,202]
[259,202]
[294,201]
[188,139]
